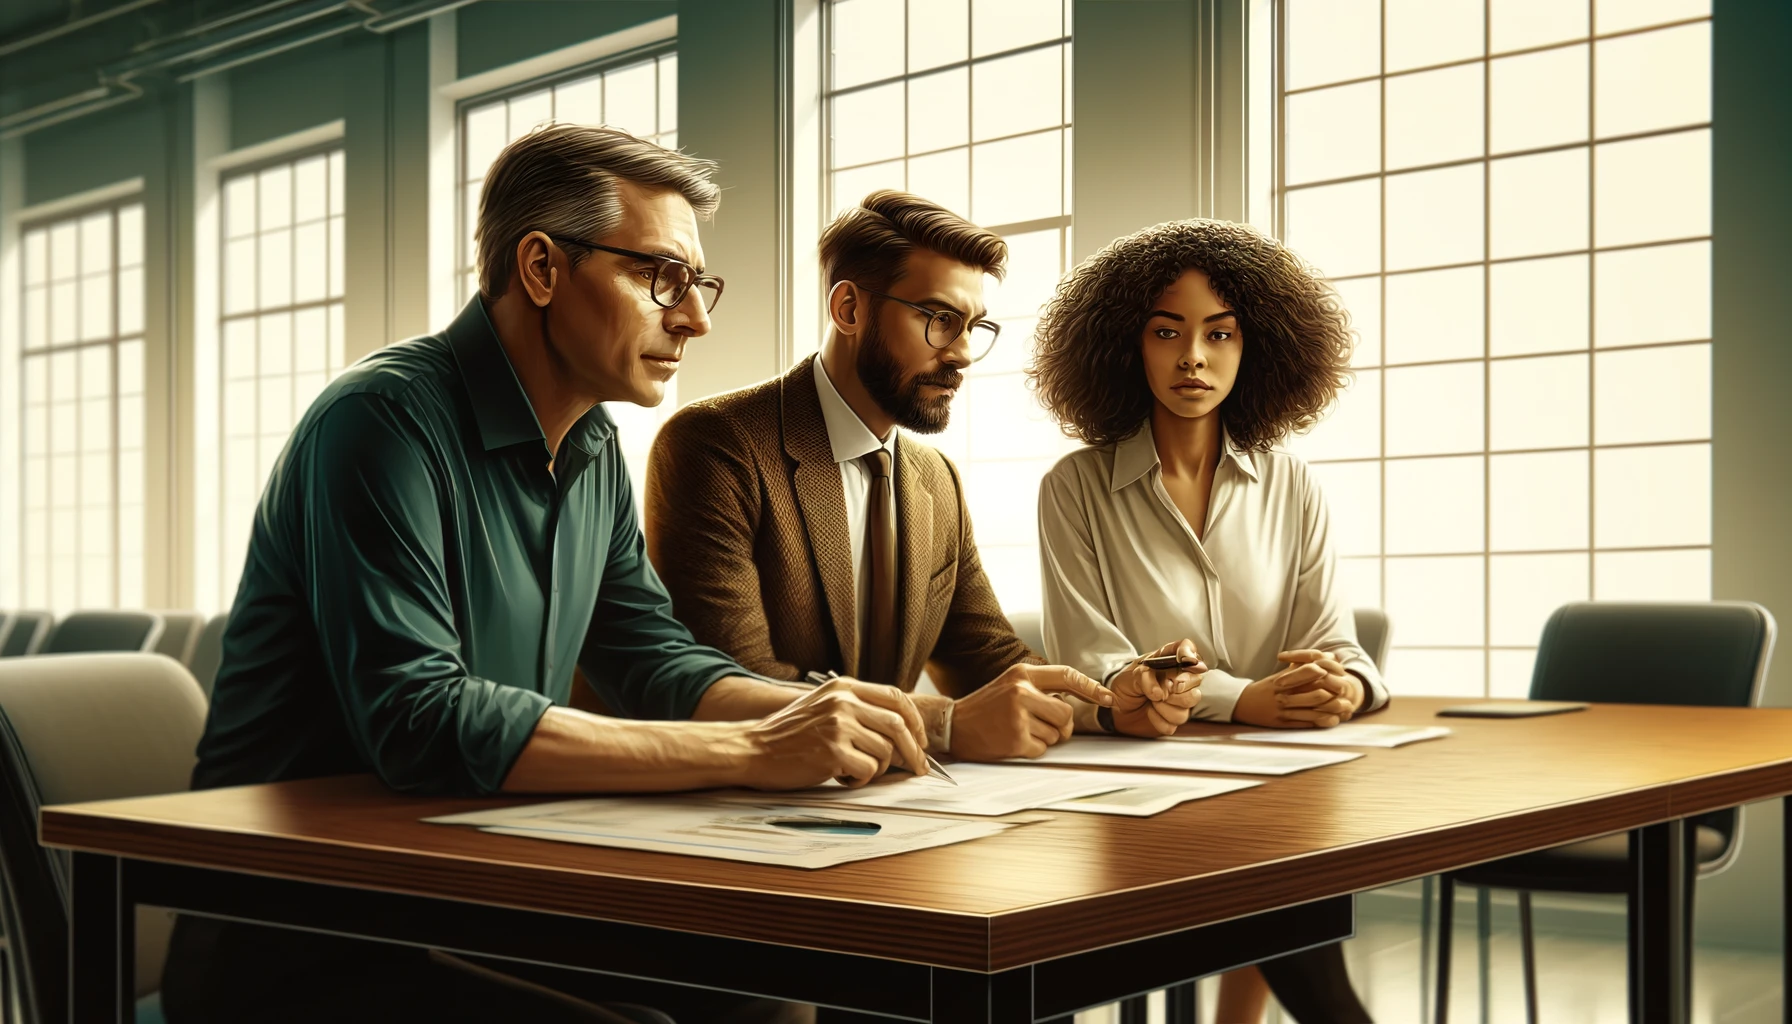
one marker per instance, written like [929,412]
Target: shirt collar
[848,436]
[1137,456]
[500,406]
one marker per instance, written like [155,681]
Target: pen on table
[933,765]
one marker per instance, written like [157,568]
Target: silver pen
[933,765]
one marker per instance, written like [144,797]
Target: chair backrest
[208,652]
[180,634]
[1028,626]
[1373,632]
[1707,653]
[76,728]
[26,634]
[93,631]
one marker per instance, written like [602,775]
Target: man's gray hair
[560,179]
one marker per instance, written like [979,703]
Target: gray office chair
[25,634]
[208,652]
[1030,627]
[91,632]
[1711,654]
[180,634]
[1373,632]
[75,728]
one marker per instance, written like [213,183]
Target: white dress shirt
[851,441]
[1123,573]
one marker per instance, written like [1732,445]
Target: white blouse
[1123,573]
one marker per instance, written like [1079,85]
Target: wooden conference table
[1030,925]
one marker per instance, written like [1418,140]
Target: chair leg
[1446,920]
[1425,892]
[1484,946]
[1135,1010]
[1528,939]
[1182,1003]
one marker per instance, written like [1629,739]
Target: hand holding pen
[931,764]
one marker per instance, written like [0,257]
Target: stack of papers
[1351,734]
[768,833]
[1202,756]
[997,789]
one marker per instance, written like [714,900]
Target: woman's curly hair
[1088,362]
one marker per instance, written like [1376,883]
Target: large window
[82,400]
[280,330]
[967,103]
[1513,198]
[638,95]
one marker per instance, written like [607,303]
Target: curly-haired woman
[1181,355]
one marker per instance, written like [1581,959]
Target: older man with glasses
[799,527]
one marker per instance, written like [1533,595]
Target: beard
[900,396]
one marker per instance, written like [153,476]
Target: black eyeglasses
[673,278]
[946,326]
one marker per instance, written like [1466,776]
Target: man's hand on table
[844,729]
[1314,691]
[1154,702]
[1018,713]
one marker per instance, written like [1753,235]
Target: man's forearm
[573,751]
[739,699]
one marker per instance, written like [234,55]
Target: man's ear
[535,265]
[847,308]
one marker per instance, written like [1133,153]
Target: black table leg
[1659,987]
[966,997]
[1182,1004]
[102,943]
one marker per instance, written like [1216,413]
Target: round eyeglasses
[673,278]
[946,326]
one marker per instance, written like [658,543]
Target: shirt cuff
[1219,695]
[1376,691]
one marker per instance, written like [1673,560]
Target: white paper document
[1243,759]
[1145,795]
[1350,734]
[771,832]
[983,789]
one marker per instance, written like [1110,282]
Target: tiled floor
[1580,978]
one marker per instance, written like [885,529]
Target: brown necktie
[877,648]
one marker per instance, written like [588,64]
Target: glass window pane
[1538,403]
[1646,497]
[130,236]
[484,133]
[1539,99]
[1435,410]
[239,275]
[1436,673]
[1353,496]
[130,423]
[96,243]
[339,339]
[1360,581]
[852,186]
[96,306]
[1653,80]
[37,316]
[863,33]
[63,306]
[1652,394]
[275,197]
[1334,133]
[1657,293]
[943,178]
[1337,228]
[939,32]
[998,25]
[1361,296]
[130,368]
[274,403]
[239,206]
[1619,15]
[130,301]
[65,242]
[310,341]
[1538,501]
[1653,188]
[338,258]
[1436,601]
[1003,414]
[311,189]
[37,257]
[239,349]
[669,92]
[338,191]
[1510,677]
[1435,506]
[1434,217]
[1033,264]
[1652,575]
[580,101]
[631,99]
[528,111]
[1434,116]
[868,125]
[275,260]
[939,111]
[1520,24]
[1017,94]
[1539,203]
[1351,429]
[1435,315]
[310,262]
[1017,179]
[1425,32]
[1528,588]
[1538,306]
[1332,41]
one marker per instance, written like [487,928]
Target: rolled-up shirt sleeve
[375,581]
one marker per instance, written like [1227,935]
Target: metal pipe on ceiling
[26,42]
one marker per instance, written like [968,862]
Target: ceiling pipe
[401,17]
[26,42]
[280,45]
[67,109]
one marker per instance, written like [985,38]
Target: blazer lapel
[914,549]
[822,504]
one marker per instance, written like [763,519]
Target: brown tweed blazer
[746,523]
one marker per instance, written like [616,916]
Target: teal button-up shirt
[419,585]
